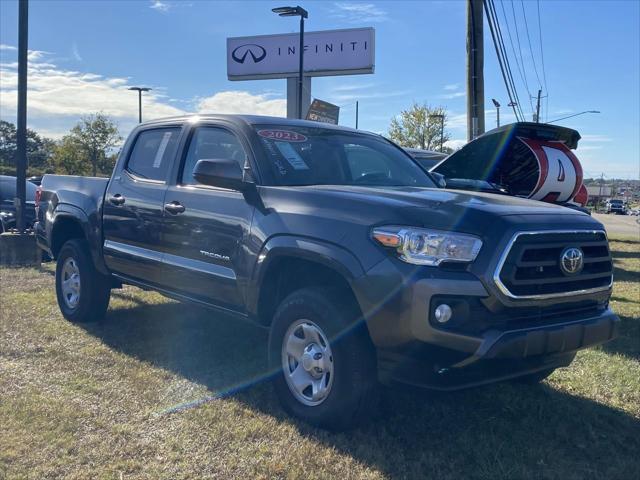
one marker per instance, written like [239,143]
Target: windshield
[322,156]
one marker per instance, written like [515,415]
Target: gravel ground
[619,224]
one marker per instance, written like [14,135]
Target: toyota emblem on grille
[571,260]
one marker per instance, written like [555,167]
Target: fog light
[443,313]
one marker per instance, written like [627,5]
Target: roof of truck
[250,120]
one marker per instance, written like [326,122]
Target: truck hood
[440,199]
[325,211]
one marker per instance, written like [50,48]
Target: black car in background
[426,158]
[7,203]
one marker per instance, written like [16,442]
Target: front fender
[328,254]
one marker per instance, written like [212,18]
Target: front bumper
[496,341]
[501,355]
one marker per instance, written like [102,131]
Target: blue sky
[84,54]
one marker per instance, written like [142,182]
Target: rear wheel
[83,292]
[324,359]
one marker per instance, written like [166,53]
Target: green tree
[39,149]
[419,127]
[89,147]
[69,158]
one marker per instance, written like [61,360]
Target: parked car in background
[342,245]
[616,206]
[36,179]
[426,158]
[7,203]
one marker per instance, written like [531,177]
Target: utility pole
[21,140]
[536,117]
[356,114]
[475,69]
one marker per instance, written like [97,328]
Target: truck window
[153,152]
[320,156]
[208,143]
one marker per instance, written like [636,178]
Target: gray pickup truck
[344,247]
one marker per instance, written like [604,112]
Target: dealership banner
[325,112]
[329,52]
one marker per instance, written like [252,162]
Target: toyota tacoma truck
[344,247]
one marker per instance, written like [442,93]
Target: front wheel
[83,292]
[325,362]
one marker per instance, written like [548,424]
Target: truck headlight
[421,246]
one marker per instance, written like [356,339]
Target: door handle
[174,208]
[116,199]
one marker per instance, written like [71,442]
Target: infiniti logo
[571,260]
[256,52]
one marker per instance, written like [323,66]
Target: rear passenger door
[205,233]
[133,208]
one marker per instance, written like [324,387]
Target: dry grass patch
[89,402]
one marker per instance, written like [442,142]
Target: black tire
[536,377]
[354,388]
[95,290]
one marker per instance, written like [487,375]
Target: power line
[501,61]
[544,73]
[533,59]
[515,23]
[521,70]
[505,55]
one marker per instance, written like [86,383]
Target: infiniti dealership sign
[329,52]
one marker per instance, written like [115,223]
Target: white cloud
[160,6]
[164,6]
[370,95]
[359,12]
[455,143]
[352,87]
[449,96]
[242,102]
[452,86]
[596,138]
[75,52]
[7,47]
[58,97]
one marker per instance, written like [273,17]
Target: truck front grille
[530,267]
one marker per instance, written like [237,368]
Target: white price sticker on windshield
[291,156]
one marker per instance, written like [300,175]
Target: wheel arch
[288,263]
[71,222]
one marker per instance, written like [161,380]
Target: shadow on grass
[621,254]
[623,275]
[628,241]
[500,431]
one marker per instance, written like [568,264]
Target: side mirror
[220,172]
[440,179]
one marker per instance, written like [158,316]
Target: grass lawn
[104,401]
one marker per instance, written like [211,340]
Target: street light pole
[301,70]
[302,13]
[497,105]
[140,90]
[574,115]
